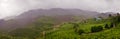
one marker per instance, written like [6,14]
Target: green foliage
[44,23]
[107,26]
[81,31]
[96,28]
[4,37]
[116,19]
[110,15]
[111,25]
[75,30]
[24,33]
[75,26]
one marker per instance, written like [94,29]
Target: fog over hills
[23,12]
[59,19]
[57,11]
[59,14]
[16,7]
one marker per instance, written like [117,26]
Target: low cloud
[15,7]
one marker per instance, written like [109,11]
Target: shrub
[4,37]
[76,30]
[81,31]
[111,25]
[75,25]
[116,19]
[110,15]
[24,32]
[107,26]
[96,28]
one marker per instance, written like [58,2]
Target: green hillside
[46,28]
[67,30]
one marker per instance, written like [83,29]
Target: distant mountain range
[59,14]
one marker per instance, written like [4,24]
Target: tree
[24,32]
[81,31]
[96,28]
[111,25]
[107,26]
[110,15]
[75,26]
[4,37]
[118,14]
[116,20]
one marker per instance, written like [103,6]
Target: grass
[64,31]
[67,32]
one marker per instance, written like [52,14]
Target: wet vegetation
[46,28]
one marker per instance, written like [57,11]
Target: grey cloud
[13,7]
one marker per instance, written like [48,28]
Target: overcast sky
[15,7]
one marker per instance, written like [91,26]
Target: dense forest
[48,28]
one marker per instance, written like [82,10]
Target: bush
[75,25]
[111,25]
[81,31]
[24,32]
[4,37]
[96,28]
[107,26]
[110,15]
[116,19]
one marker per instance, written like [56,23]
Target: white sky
[15,7]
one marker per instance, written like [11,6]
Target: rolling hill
[59,15]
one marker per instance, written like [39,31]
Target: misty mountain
[59,14]
[1,22]
[106,14]
[55,12]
